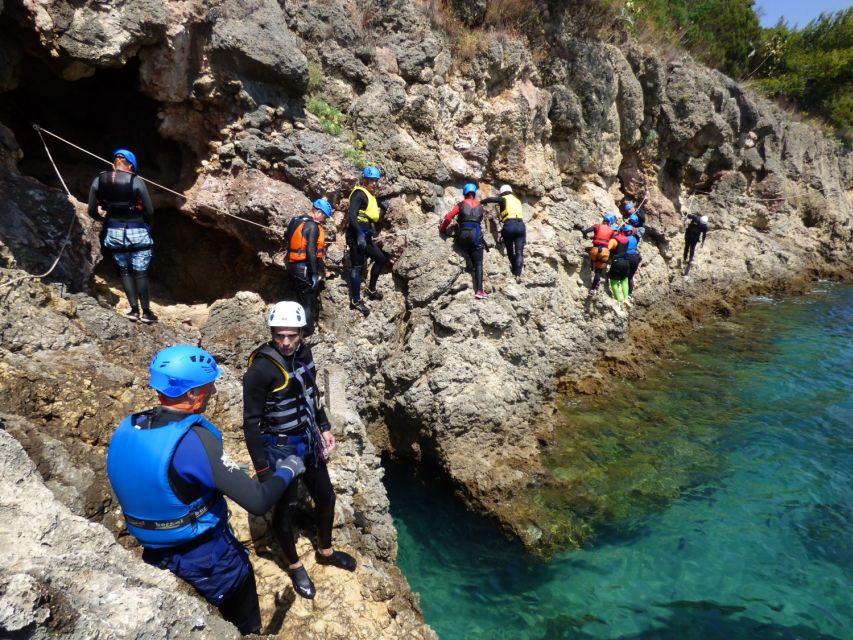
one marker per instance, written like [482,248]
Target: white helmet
[286,314]
[704,219]
[505,188]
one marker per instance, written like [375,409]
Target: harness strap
[165,525]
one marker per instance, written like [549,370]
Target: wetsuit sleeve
[448,218]
[693,216]
[311,233]
[356,204]
[494,200]
[704,233]
[257,382]
[589,230]
[200,458]
[93,202]
[141,191]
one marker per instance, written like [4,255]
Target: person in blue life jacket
[633,253]
[126,233]
[306,252]
[363,214]
[469,234]
[513,231]
[283,416]
[169,472]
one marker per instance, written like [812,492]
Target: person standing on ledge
[698,228]
[513,231]
[282,416]
[469,237]
[126,230]
[363,214]
[599,252]
[305,255]
[169,472]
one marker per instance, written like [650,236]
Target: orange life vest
[299,245]
[603,233]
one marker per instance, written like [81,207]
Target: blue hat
[127,155]
[469,188]
[372,173]
[609,218]
[627,229]
[634,219]
[628,205]
[175,370]
[323,205]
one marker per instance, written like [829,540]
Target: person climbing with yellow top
[306,250]
[469,236]
[602,244]
[513,231]
[363,214]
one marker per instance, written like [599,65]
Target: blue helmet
[628,206]
[175,370]
[469,188]
[127,155]
[609,218]
[634,219]
[372,173]
[627,229]
[323,205]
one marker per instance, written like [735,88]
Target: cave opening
[192,262]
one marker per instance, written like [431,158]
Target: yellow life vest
[512,210]
[372,212]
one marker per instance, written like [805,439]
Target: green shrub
[331,118]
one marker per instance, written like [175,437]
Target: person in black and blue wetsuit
[363,214]
[632,252]
[306,241]
[127,228]
[169,472]
[513,231]
[469,235]
[283,416]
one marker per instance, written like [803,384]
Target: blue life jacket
[138,464]
[633,241]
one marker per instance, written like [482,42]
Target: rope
[151,182]
[67,238]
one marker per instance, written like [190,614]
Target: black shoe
[148,317]
[337,559]
[302,584]
[373,294]
[133,314]
[358,305]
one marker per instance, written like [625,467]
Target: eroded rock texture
[216,100]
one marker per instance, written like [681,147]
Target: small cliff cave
[192,263]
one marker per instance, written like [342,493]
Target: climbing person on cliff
[602,244]
[513,231]
[634,216]
[283,416]
[169,473]
[469,233]
[363,214]
[697,229]
[126,232]
[620,268]
[633,253]
[306,240]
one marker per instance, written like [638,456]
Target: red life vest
[603,233]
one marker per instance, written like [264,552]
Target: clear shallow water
[750,535]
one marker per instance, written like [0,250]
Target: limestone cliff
[251,108]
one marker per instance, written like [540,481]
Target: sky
[798,13]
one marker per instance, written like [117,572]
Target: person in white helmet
[696,230]
[283,416]
[513,231]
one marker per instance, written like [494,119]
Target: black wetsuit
[215,557]
[358,257]
[303,271]
[260,382]
[696,230]
[513,235]
[469,235]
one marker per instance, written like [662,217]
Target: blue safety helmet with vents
[323,205]
[609,218]
[372,173]
[627,229]
[127,155]
[634,219]
[628,206]
[469,188]
[175,370]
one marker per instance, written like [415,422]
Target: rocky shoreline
[433,376]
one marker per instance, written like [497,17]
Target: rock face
[274,104]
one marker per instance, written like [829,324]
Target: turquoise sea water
[758,544]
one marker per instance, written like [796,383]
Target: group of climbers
[469,215]
[170,474]
[617,244]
